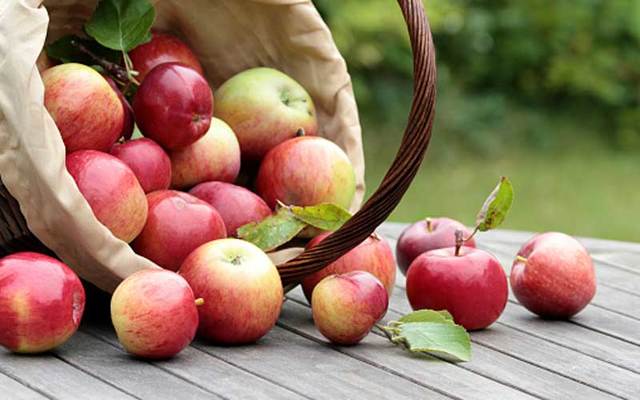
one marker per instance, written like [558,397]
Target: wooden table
[594,356]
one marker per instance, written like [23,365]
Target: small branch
[115,70]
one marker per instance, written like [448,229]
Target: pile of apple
[173,195]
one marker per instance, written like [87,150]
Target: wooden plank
[136,377]
[48,374]
[14,390]
[573,336]
[578,366]
[320,372]
[211,373]
[499,366]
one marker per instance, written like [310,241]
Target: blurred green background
[545,92]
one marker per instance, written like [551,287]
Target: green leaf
[445,339]
[121,24]
[326,216]
[495,208]
[273,231]
[428,316]
[64,51]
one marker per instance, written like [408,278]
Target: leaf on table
[64,51]
[445,339]
[495,208]
[273,231]
[121,24]
[326,216]
[442,316]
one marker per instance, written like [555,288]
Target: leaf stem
[115,70]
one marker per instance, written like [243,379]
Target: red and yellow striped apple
[241,289]
[213,157]
[112,191]
[41,302]
[345,307]
[86,110]
[305,171]
[154,313]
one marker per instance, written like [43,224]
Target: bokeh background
[545,92]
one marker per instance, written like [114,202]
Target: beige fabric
[227,35]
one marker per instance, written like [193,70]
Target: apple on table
[41,302]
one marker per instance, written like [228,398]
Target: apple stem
[116,71]
[300,132]
[459,241]
[521,259]
[429,225]
[199,301]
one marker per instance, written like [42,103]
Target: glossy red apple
[213,157]
[374,255]
[428,234]
[264,107]
[86,110]
[305,171]
[177,224]
[162,48]
[237,205]
[345,307]
[472,285]
[41,302]
[553,276]
[154,313]
[147,160]
[173,105]
[241,289]
[112,190]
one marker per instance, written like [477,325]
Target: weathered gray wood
[48,374]
[573,336]
[488,362]
[14,390]
[305,366]
[211,373]
[136,377]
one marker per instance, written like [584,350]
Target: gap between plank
[90,333]
[397,373]
[27,384]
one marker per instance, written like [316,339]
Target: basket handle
[404,167]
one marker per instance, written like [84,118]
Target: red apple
[112,191]
[241,289]
[346,307]
[173,105]
[41,302]
[177,224]
[428,234]
[147,160]
[306,171]
[237,205]
[154,313]
[553,276]
[374,255]
[86,110]
[213,157]
[162,48]
[264,107]
[472,285]
[128,122]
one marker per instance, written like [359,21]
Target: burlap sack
[227,35]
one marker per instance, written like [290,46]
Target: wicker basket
[15,234]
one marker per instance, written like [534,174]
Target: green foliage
[541,56]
